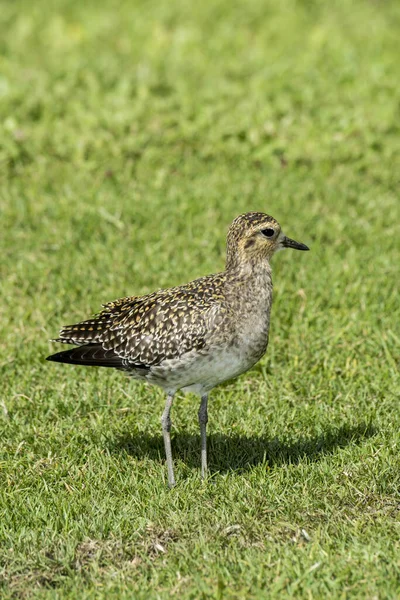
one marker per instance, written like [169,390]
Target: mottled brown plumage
[146,330]
[193,336]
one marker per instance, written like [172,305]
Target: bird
[192,337]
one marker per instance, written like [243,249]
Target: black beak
[288,243]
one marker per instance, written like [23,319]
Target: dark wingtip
[92,355]
[54,357]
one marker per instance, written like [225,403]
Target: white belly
[199,372]
[209,372]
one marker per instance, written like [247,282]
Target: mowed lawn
[131,134]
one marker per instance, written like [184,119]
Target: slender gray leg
[203,419]
[166,428]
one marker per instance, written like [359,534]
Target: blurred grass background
[131,134]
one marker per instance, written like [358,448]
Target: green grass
[131,135]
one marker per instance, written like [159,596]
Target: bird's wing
[145,330]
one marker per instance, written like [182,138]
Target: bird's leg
[166,428]
[203,418]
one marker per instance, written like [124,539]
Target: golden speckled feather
[145,330]
[194,336]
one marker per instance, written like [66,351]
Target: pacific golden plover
[194,336]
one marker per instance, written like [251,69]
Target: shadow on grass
[239,452]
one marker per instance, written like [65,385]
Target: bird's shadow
[235,452]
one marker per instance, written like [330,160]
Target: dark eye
[268,232]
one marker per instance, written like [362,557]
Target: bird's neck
[250,281]
[249,271]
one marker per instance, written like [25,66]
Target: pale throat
[250,285]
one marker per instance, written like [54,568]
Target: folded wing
[141,332]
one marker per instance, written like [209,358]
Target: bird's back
[143,331]
[193,336]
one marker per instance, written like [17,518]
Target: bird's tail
[92,355]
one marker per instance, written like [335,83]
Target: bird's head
[254,237]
